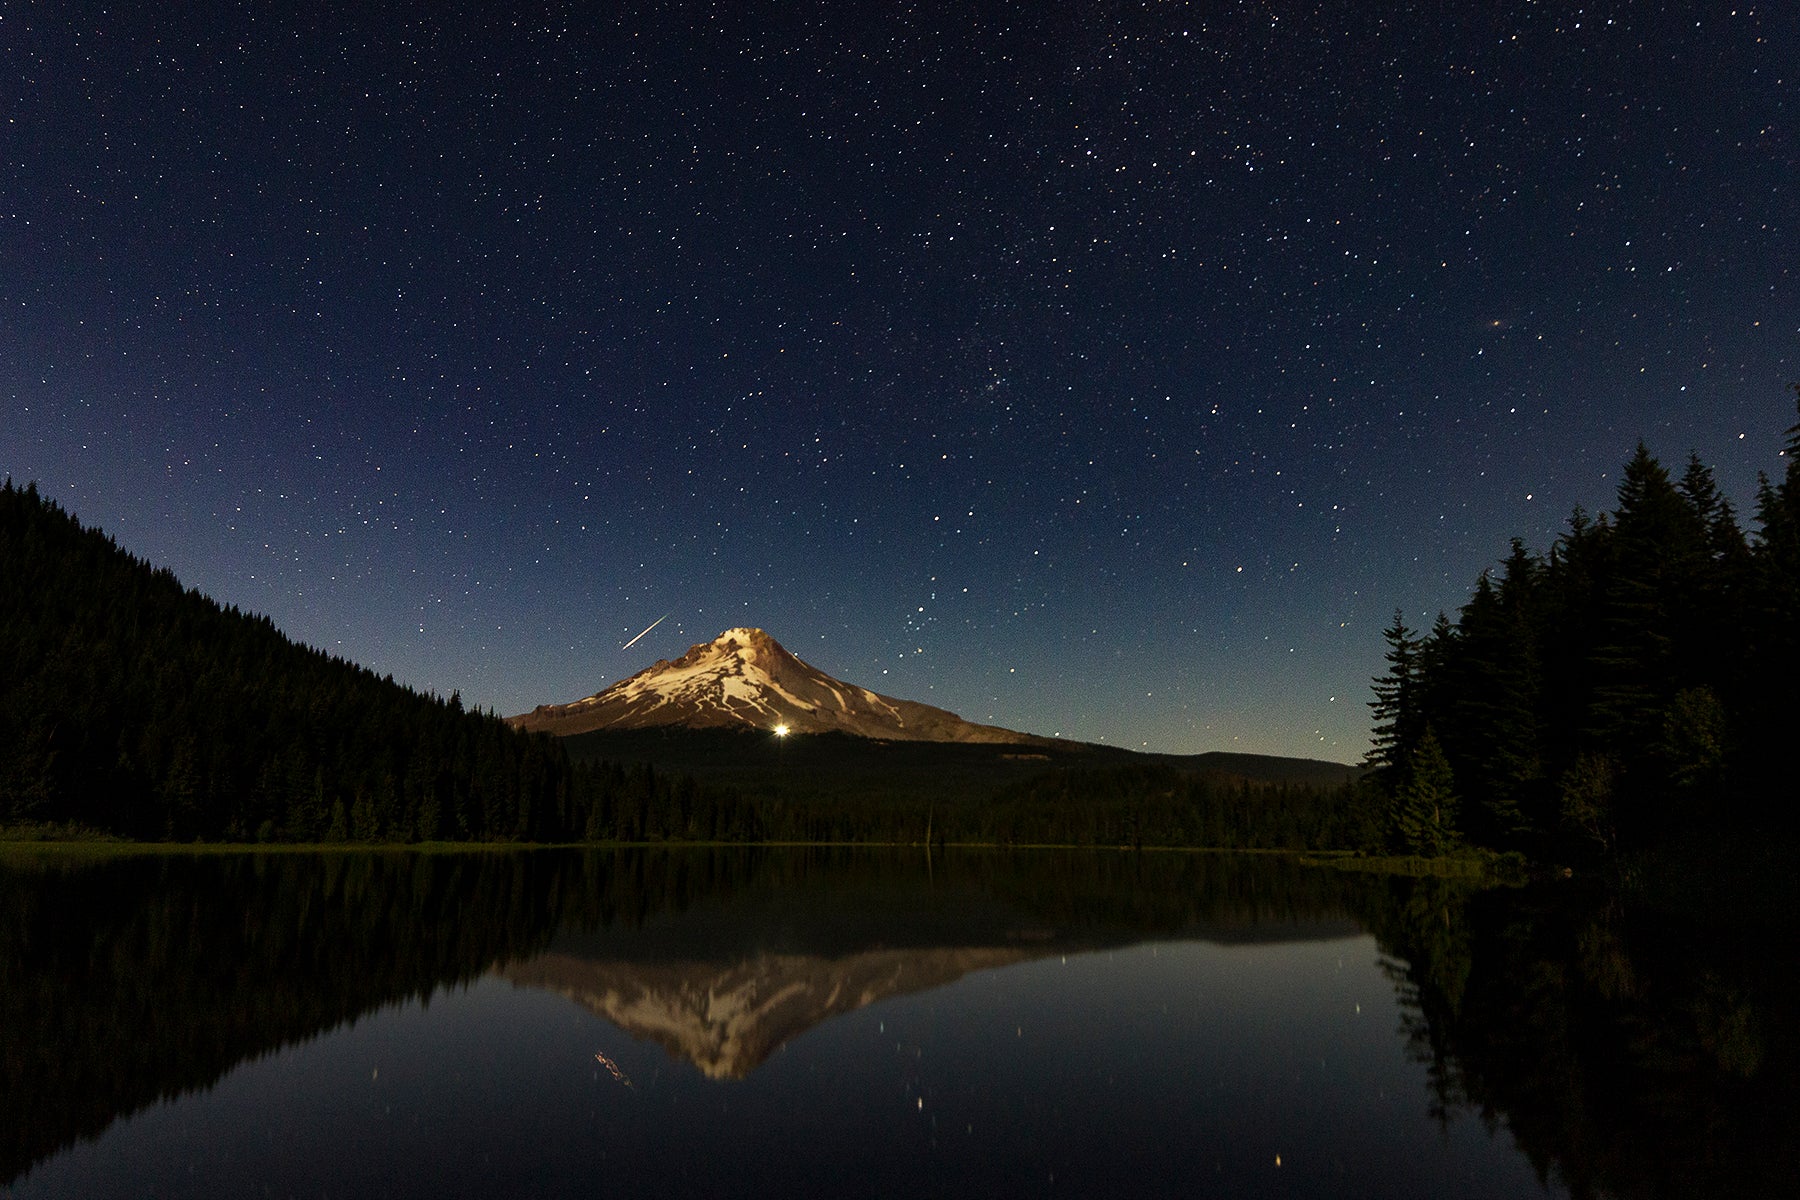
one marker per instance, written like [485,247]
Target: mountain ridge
[744,678]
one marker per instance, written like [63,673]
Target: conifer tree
[1614,691]
[1426,807]
[1398,719]
[1488,721]
[1770,694]
[1569,620]
[1659,549]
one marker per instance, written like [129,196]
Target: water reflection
[124,981]
[1143,1022]
[129,980]
[1636,1048]
[726,981]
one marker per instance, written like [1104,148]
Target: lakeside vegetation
[1637,683]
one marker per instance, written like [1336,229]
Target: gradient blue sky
[1109,370]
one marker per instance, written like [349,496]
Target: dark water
[831,1023]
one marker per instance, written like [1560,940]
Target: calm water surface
[760,1023]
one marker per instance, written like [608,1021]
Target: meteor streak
[640,637]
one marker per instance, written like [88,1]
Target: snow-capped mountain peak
[746,678]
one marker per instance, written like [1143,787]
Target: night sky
[1107,370]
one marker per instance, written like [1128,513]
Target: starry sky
[1110,370]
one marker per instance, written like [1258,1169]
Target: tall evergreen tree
[1489,721]
[1770,695]
[1659,553]
[1399,721]
[1426,807]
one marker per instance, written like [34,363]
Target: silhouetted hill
[133,705]
[1265,768]
[831,787]
[816,764]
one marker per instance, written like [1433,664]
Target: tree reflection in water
[1630,1049]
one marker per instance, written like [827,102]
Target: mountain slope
[746,679]
[135,706]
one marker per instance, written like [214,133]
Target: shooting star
[640,637]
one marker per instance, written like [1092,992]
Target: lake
[763,1022]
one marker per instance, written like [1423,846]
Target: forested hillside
[1639,681]
[135,706]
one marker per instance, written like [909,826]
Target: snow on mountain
[746,678]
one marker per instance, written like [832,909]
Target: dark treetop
[1641,681]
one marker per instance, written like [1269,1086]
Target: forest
[137,707]
[1636,683]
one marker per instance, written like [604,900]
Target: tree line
[1638,681]
[1157,805]
[135,706]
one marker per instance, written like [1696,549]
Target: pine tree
[1426,806]
[1489,721]
[1659,550]
[1398,719]
[1770,694]
[1569,616]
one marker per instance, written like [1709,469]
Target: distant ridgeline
[1640,682]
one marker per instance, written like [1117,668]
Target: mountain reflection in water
[726,1018]
[1628,1052]
[724,987]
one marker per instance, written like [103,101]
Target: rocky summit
[745,678]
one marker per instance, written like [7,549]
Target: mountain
[746,679]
